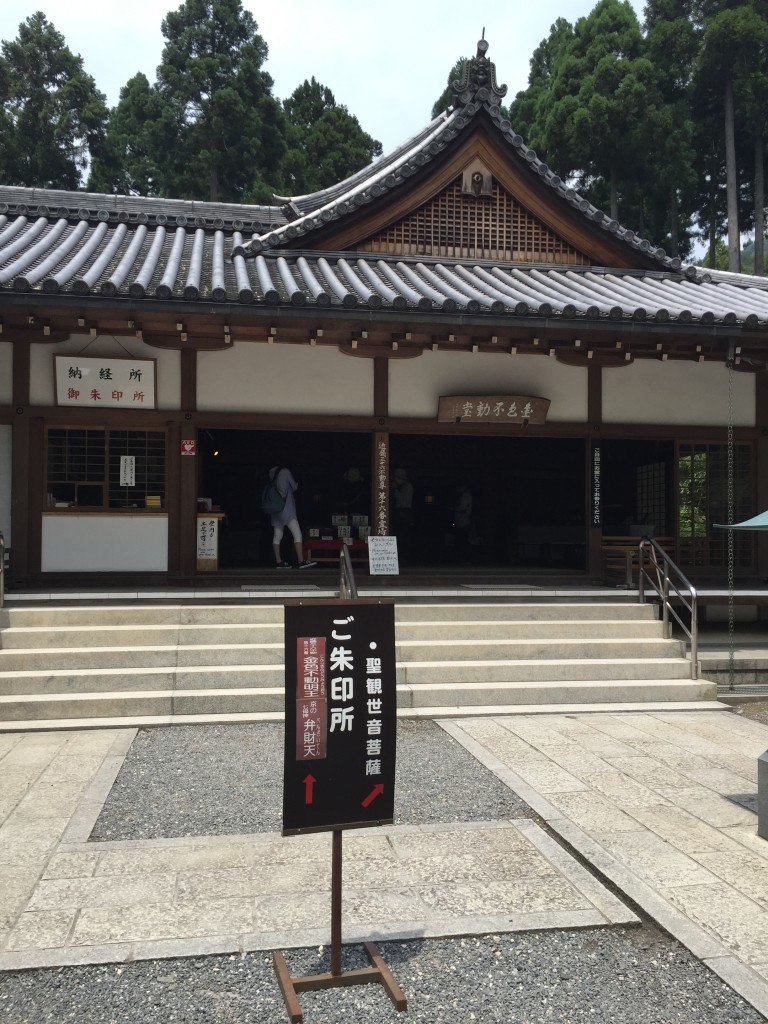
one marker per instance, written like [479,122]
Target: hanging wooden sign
[521,409]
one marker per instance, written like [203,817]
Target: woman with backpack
[282,486]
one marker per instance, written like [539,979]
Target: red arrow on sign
[309,785]
[377,790]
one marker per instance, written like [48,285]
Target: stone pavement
[660,804]
[657,803]
[67,901]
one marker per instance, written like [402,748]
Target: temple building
[455,311]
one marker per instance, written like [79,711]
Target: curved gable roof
[477,99]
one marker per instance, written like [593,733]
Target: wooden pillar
[184,473]
[594,465]
[380,477]
[21,460]
[761,466]
[380,516]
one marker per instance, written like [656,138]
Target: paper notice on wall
[127,470]
[382,556]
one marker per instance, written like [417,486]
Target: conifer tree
[52,116]
[325,143]
[224,127]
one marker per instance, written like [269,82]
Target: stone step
[170,656]
[135,612]
[523,612]
[96,705]
[214,677]
[567,669]
[600,629]
[92,616]
[25,638]
[459,650]
[132,636]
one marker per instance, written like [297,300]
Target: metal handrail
[662,586]
[347,585]
[2,569]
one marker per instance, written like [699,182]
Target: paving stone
[96,925]
[745,871]
[683,830]
[51,800]
[67,767]
[594,812]
[75,893]
[625,792]
[655,861]
[15,891]
[71,865]
[739,923]
[506,841]
[723,781]
[188,858]
[520,896]
[548,778]
[41,930]
[284,913]
[715,810]
[648,772]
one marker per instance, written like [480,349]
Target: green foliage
[224,125]
[130,163]
[445,99]
[325,143]
[52,116]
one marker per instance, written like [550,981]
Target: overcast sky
[387,61]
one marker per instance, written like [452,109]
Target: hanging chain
[730,520]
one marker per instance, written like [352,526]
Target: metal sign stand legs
[377,973]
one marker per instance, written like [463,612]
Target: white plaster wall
[5,482]
[284,378]
[167,374]
[681,392]
[105,543]
[6,372]
[416,384]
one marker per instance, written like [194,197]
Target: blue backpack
[272,501]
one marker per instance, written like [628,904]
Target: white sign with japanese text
[127,470]
[107,383]
[207,538]
[382,556]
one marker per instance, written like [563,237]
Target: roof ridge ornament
[478,80]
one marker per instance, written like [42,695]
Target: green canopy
[756,523]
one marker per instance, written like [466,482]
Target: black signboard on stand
[340,746]
[340,715]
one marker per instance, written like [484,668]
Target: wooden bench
[316,550]
[616,548]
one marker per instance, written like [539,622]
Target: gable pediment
[480,201]
[474,217]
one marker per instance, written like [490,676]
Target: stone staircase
[153,663]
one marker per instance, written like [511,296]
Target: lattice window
[84,469]
[456,226]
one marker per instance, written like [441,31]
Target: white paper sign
[382,556]
[207,538]
[127,470]
[108,383]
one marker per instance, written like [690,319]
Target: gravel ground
[597,976]
[758,710]
[622,976]
[222,780]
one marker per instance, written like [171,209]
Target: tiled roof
[76,245]
[475,95]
